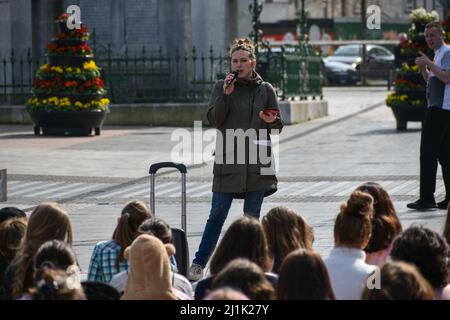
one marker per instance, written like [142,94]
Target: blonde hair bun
[243,44]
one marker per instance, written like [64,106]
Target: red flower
[69,84]
[52,46]
[99,82]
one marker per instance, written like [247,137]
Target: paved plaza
[320,163]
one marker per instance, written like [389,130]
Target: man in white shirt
[435,138]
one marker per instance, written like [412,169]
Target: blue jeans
[220,205]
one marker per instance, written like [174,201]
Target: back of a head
[48,221]
[149,275]
[12,232]
[353,225]
[400,281]
[246,276]
[304,276]
[244,238]
[11,212]
[286,231]
[157,227]
[133,214]
[56,254]
[427,250]
[226,293]
[96,290]
[385,222]
[54,284]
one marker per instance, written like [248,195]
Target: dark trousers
[220,205]
[434,147]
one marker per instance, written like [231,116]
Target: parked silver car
[379,60]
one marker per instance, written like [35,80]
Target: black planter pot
[406,113]
[65,123]
[68,42]
[69,61]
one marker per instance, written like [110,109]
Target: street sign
[2,185]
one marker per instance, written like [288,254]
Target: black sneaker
[421,205]
[443,204]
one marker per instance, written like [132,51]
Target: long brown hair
[244,238]
[385,222]
[133,214]
[304,276]
[48,221]
[286,231]
[353,225]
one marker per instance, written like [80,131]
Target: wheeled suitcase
[179,235]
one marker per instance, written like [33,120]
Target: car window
[375,52]
[347,51]
[379,51]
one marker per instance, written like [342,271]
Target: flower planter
[73,97]
[65,123]
[413,94]
[68,42]
[69,61]
[62,26]
[405,113]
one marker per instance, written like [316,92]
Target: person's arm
[94,270]
[272,102]
[442,74]
[218,106]
[424,72]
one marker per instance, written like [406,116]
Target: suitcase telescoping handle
[182,168]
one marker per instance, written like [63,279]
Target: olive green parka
[240,110]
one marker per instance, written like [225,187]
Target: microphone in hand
[235,75]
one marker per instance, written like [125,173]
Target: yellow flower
[43,67]
[78,70]
[69,69]
[90,66]
[58,69]
[104,101]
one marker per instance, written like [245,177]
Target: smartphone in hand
[271,112]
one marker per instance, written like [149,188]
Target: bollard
[2,185]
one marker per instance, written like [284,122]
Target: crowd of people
[373,257]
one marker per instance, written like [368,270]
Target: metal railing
[144,75]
